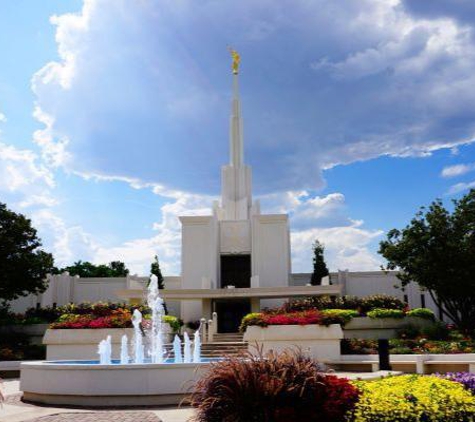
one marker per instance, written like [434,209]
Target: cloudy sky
[114,118]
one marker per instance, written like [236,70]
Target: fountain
[124,350]
[104,351]
[146,376]
[187,349]
[177,350]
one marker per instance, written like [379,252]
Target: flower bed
[292,387]
[401,346]
[361,304]
[326,318]
[414,398]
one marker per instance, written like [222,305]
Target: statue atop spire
[236,60]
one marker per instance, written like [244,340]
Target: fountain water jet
[105,351]
[124,350]
[187,348]
[177,349]
[138,341]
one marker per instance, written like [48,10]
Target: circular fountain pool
[146,377]
[88,383]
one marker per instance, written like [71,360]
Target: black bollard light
[383,352]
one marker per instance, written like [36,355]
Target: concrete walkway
[14,410]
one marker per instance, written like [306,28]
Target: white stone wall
[199,260]
[271,252]
[63,289]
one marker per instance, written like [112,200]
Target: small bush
[409,331]
[254,318]
[275,388]
[386,313]
[424,313]
[344,315]
[173,321]
[436,331]
[370,303]
[414,398]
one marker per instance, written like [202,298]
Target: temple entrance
[236,271]
[230,314]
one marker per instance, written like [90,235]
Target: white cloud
[461,187]
[457,170]
[67,243]
[384,82]
[23,179]
[345,248]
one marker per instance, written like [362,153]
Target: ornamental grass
[271,388]
[414,398]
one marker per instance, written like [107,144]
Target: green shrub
[254,318]
[173,321]
[370,303]
[421,313]
[409,331]
[436,331]
[386,313]
[345,315]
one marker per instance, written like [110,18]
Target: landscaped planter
[317,341]
[66,344]
[35,332]
[422,363]
[369,328]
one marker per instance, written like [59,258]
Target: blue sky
[115,118]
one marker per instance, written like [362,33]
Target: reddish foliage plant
[272,388]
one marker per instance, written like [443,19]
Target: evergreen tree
[320,269]
[155,269]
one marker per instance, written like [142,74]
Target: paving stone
[100,416]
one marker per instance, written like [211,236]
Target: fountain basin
[87,383]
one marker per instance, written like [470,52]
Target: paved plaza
[14,410]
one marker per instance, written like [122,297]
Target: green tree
[86,269]
[155,269]
[23,265]
[320,269]
[436,250]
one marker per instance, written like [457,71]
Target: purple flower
[467,379]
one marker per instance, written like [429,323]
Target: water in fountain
[153,337]
[156,304]
[187,348]
[138,341]
[124,350]
[197,347]
[105,351]
[177,349]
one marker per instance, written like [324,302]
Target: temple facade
[236,247]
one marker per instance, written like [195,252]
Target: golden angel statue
[236,60]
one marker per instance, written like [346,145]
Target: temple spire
[236,202]
[236,144]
